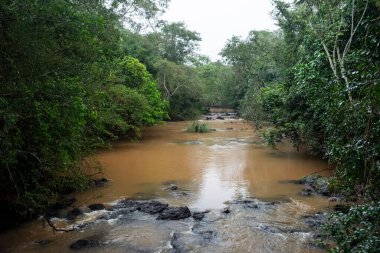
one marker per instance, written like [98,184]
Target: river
[212,171]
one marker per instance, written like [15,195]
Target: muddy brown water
[211,171]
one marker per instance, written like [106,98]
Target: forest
[77,75]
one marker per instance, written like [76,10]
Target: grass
[198,127]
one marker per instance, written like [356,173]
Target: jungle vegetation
[76,75]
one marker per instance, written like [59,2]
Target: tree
[178,43]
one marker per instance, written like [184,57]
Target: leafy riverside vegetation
[316,82]
[76,75]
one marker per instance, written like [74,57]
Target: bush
[198,127]
[358,231]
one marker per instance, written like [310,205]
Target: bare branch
[51,224]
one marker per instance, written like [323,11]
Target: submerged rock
[96,207]
[172,187]
[174,213]
[226,210]
[199,215]
[315,221]
[100,182]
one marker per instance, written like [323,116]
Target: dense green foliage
[198,127]
[66,87]
[317,83]
[358,231]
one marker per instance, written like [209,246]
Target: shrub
[198,127]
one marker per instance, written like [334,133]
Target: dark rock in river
[199,215]
[208,118]
[100,182]
[151,207]
[85,244]
[172,187]
[96,207]
[318,183]
[174,213]
[74,213]
[226,210]
[307,191]
[220,117]
[315,221]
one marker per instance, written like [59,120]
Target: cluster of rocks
[162,210]
[221,116]
[313,185]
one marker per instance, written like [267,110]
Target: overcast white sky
[219,20]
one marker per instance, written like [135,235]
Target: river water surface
[212,171]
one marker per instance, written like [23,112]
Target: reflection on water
[210,170]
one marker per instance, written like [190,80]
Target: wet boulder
[172,187]
[315,221]
[100,182]
[96,207]
[174,213]
[307,191]
[151,207]
[199,215]
[74,213]
[226,210]
[319,184]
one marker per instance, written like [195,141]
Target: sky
[219,20]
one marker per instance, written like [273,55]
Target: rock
[321,186]
[151,207]
[198,215]
[226,210]
[96,207]
[307,191]
[100,182]
[230,128]
[85,244]
[74,213]
[220,117]
[172,187]
[318,183]
[316,220]
[208,118]
[212,130]
[174,213]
